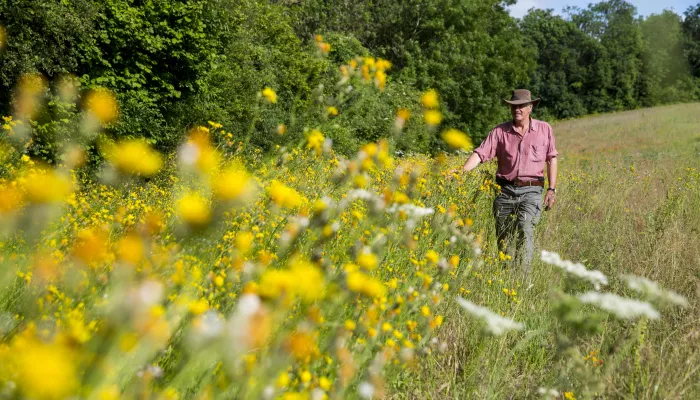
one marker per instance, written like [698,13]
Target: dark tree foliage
[470,51]
[177,63]
[691,32]
[572,71]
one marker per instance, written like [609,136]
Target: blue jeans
[517,210]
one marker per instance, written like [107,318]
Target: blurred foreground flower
[365,284]
[430,99]
[102,104]
[193,209]
[135,157]
[323,47]
[619,306]
[597,278]
[432,117]
[44,186]
[3,37]
[653,290]
[495,323]
[41,370]
[30,89]
[457,139]
[10,199]
[284,196]
[302,280]
[233,184]
[314,141]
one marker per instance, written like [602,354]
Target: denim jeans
[517,210]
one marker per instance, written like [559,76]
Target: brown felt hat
[522,96]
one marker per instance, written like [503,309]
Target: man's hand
[549,200]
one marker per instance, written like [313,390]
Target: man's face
[520,112]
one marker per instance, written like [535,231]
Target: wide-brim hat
[522,96]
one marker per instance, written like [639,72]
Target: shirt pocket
[537,152]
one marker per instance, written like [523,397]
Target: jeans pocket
[538,212]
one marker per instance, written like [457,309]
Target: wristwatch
[553,190]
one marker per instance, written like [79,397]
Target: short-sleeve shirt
[521,157]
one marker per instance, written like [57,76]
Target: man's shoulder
[542,124]
[505,126]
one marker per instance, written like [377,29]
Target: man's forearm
[472,162]
[552,172]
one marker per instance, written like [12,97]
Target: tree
[572,71]
[691,32]
[614,24]
[664,65]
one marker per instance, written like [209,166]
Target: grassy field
[628,202]
[307,275]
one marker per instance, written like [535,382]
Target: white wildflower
[359,194]
[597,278]
[150,292]
[550,394]
[412,211]
[210,325]
[318,394]
[619,306]
[249,304]
[365,390]
[652,289]
[495,323]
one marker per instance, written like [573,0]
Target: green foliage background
[177,63]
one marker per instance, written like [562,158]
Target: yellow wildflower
[430,99]
[45,371]
[46,186]
[91,246]
[302,345]
[102,104]
[364,284]
[199,306]
[432,256]
[314,141]
[432,117]
[403,114]
[367,260]
[130,249]
[284,196]
[233,184]
[269,95]
[10,199]
[244,240]
[457,139]
[325,383]
[135,157]
[193,209]
[332,111]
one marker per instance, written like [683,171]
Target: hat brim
[520,102]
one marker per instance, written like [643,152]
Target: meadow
[304,274]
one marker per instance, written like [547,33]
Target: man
[522,147]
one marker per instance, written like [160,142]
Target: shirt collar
[533,125]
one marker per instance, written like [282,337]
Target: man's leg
[506,224]
[529,212]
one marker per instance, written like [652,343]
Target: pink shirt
[518,156]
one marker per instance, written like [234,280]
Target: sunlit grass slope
[628,203]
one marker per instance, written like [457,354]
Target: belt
[518,183]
